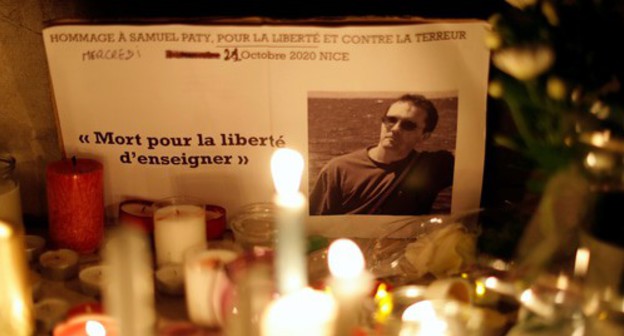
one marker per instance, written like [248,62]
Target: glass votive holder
[206,282]
[179,224]
[254,227]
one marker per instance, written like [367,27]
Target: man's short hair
[419,101]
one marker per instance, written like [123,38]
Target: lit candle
[137,213]
[305,312]
[76,204]
[350,283]
[129,286]
[15,297]
[10,205]
[290,264]
[87,325]
[421,318]
[179,223]
[205,283]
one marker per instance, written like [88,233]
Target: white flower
[526,62]
[443,252]
[521,4]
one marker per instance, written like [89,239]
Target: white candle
[129,285]
[177,227]
[205,282]
[59,264]
[350,283]
[305,312]
[16,317]
[91,279]
[290,264]
[10,205]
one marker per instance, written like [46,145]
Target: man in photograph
[392,177]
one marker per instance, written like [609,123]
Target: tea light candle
[305,312]
[49,312]
[75,195]
[177,227]
[138,213]
[205,284]
[15,297]
[91,279]
[350,283]
[87,325]
[59,264]
[290,264]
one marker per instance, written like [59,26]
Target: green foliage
[560,71]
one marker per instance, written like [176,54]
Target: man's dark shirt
[353,184]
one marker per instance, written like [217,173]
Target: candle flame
[286,169]
[480,289]
[581,262]
[95,328]
[5,230]
[345,259]
[383,300]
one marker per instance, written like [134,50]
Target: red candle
[138,213]
[215,221]
[76,204]
[87,325]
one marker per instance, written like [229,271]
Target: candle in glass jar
[10,205]
[17,316]
[138,213]
[76,204]
[179,223]
[205,282]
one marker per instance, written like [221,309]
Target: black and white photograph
[381,153]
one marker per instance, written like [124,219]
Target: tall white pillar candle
[350,283]
[129,286]
[179,223]
[290,263]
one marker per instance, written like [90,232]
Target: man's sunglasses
[405,125]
